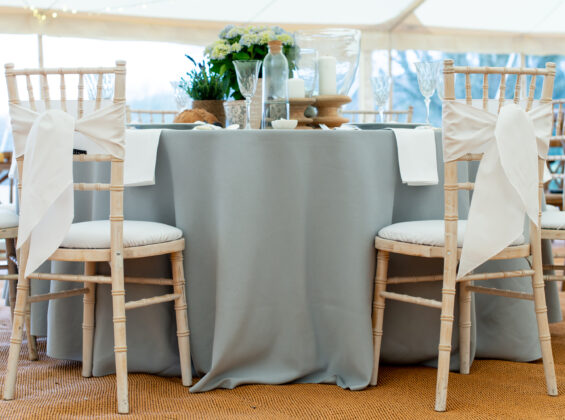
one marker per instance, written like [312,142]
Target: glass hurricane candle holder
[343,44]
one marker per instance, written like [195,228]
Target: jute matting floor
[54,389]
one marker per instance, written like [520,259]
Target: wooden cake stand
[327,106]
[297,108]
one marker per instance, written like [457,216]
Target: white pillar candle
[326,75]
[295,88]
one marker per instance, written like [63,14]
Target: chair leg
[16,339]
[378,311]
[31,342]
[89,301]
[12,269]
[446,331]
[541,312]
[464,328]
[120,342]
[183,333]
[12,291]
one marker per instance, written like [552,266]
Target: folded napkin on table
[141,156]
[416,156]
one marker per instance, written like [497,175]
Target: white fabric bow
[47,205]
[506,186]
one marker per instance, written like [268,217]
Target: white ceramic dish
[284,124]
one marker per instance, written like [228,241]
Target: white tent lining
[407,34]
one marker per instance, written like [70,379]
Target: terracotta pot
[215,107]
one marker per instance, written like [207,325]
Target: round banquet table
[280,262]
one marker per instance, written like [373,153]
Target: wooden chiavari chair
[450,252]
[556,163]
[83,243]
[390,116]
[139,113]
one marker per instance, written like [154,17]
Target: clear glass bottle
[275,93]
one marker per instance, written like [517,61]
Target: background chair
[390,116]
[556,159]
[136,115]
[101,241]
[402,238]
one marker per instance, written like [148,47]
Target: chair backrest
[390,116]
[451,184]
[557,135]
[151,113]
[117,172]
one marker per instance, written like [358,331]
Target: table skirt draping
[280,263]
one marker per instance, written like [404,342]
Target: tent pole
[40,60]
[523,85]
[40,49]
[391,87]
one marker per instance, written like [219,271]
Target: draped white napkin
[416,156]
[47,206]
[141,156]
[506,186]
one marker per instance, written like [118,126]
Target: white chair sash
[47,205]
[506,186]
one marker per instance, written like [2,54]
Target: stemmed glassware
[381,90]
[428,72]
[91,81]
[247,72]
[181,97]
[440,87]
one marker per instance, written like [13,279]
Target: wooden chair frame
[557,140]
[151,112]
[115,255]
[10,235]
[451,253]
[390,116]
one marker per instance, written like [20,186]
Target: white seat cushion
[426,232]
[96,234]
[8,216]
[553,220]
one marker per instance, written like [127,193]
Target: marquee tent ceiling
[525,26]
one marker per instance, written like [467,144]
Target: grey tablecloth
[280,262]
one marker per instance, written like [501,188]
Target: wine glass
[440,88]
[181,97]
[381,90]
[107,86]
[247,72]
[428,72]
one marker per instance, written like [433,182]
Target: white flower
[218,50]
[249,39]
[224,31]
[234,32]
[266,36]
[286,39]
[235,47]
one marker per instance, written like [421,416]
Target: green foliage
[204,83]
